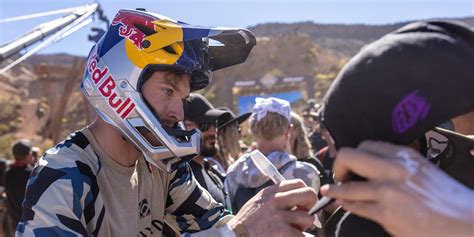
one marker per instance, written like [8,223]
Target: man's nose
[212,130]
[176,111]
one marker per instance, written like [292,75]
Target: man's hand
[272,211]
[405,193]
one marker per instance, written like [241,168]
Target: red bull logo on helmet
[127,29]
[107,87]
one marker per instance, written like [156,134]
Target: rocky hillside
[40,99]
[286,55]
[345,39]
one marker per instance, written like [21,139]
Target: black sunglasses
[203,127]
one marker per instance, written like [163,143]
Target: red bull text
[107,88]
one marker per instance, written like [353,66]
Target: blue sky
[235,13]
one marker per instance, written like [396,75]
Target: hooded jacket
[244,180]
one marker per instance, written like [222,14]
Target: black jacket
[15,179]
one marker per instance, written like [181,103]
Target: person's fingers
[353,191]
[291,184]
[292,232]
[369,210]
[407,158]
[379,148]
[303,198]
[299,219]
[284,186]
[387,150]
[351,161]
[277,227]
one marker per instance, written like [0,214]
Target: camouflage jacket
[77,190]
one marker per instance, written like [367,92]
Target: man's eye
[168,92]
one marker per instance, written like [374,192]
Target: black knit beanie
[402,85]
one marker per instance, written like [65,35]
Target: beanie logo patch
[411,109]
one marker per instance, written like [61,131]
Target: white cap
[275,105]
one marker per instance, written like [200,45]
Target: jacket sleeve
[190,208]
[54,203]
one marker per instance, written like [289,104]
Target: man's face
[209,137]
[166,92]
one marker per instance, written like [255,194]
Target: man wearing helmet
[126,173]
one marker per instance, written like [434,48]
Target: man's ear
[289,131]
[29,158]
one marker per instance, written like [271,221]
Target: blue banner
[245,103]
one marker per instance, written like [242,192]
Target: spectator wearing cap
[270,124]
[228,137]
[15,180]
[200,114]
[312,106]
[314,133]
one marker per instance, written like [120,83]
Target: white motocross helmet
[139,42]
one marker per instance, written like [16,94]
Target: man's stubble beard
[208,151]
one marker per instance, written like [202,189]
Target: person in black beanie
[398,90]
